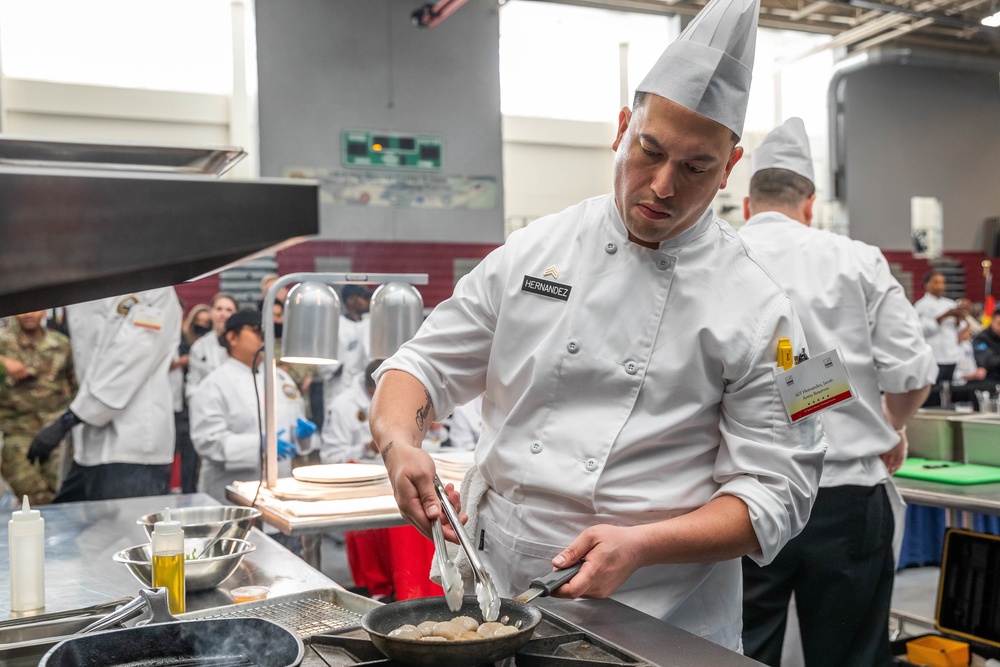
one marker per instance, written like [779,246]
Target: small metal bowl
[202,574]
[207,521]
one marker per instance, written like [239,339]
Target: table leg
[312,544]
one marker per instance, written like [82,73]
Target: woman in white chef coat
[208,353]
[224,412]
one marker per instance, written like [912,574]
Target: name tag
[815,385]
[546,288]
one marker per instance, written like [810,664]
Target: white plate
[340,473]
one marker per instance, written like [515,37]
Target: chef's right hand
[411,473]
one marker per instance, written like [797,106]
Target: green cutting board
[948,472]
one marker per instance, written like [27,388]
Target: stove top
[554,643]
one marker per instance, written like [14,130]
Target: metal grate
[303,617]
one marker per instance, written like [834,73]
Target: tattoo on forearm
[385,452]
[423,412]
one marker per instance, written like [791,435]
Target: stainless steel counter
[960,500]
[80,539]
[642,635]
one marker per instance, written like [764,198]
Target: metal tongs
[486,590]
[451,578]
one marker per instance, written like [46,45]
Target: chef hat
[707,69]
[786,147]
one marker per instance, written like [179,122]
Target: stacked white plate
[341,474]
[334,481]
[452,466]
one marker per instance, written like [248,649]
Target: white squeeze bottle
[168,560]
[26,537]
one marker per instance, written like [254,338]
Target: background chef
[225,409]
[122,348]
[646,434]
[841,565]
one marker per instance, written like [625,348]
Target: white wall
[551,164]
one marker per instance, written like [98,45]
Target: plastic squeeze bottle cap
[168,535]
[25,531]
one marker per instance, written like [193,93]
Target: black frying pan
[381,620]
[165,641]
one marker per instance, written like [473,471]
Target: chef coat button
[573,346]
[631,367]
[611,248]
[663,265]
[536,447]
[591,465]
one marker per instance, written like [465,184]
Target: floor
[914,593]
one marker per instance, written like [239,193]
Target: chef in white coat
[225,427]
[627,350]
[942,318]
[346,435]
[208,353]
[841,566]
[124,446]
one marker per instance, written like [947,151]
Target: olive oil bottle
[168,560]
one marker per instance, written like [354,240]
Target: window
[182,45]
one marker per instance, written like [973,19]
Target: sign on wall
[390,150]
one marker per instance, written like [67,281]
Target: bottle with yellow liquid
[168,560]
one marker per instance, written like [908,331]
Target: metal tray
[27,152]
[306,614]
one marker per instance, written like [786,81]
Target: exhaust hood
[85,221]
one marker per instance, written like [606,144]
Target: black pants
[841,570]
[113,480]
[190,461]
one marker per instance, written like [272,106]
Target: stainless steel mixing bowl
[231,520]
[199,575]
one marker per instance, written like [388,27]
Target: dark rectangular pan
[166,642]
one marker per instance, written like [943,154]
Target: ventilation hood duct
[86,221]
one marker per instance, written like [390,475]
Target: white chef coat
[353,347]
[966,364]
[846,297]
[206,354]
[465,424]
[644,394]
[346,430]
[123,346]
[225,429]
[942,336]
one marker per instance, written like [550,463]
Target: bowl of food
[210,521]
[200,574]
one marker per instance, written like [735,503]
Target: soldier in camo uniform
[37,383]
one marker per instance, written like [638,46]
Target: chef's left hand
[613,554]
[286,450]
[893,459]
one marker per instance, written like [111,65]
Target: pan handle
[159,608]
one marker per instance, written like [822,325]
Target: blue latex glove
[304,428]
[286,450]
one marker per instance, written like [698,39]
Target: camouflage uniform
[27,406]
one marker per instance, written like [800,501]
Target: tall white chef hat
[707,69]
[786,147]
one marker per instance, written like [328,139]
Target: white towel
[473,489]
